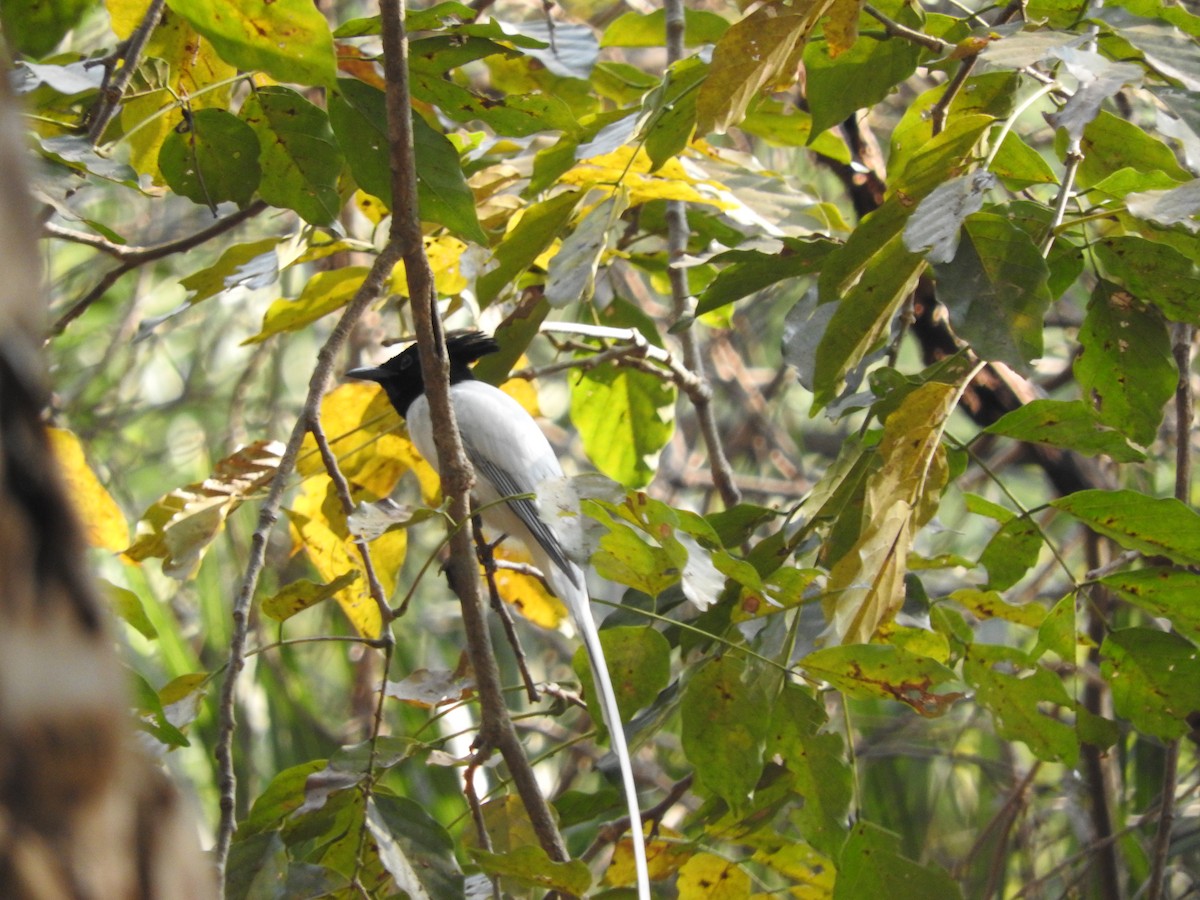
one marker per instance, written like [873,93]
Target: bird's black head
[401,377]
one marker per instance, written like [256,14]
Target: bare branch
[372,287]
[496,727]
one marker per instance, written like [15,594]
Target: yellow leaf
[324,293]
[811,873]
[334,555]
[866,585]
[709,877]
[630,167]
[525,592]
[179,526]
[761,51]
[664,855]
[370,206]
[102,518]
[194,71]
[301,595]
[523,391]
[841,27]
[370,442]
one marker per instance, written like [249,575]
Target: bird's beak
[366,373]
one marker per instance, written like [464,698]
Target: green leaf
[868,671]
[1018,165]
[257,866]
[1022,696]
[1125,362]
[1155,679]
[537,228]
[414,847]
[300,158]
[34,27]
[571,274]
[1164,592]
[754,53]
[288,39]
[1011,552]
[639,663]
[860,77]
[1155,273]
[530,866]
[1070,424]
[990,95]
[128,606]
[633,29]
[995,289]
[214,161]
[300,595]
[282,797]
[1157,526]
[1057,632]
[324,293]
[625,418]
[1111,143]
[669,112]
[818,762]
[870,866]
[726,717]
[750,271]
[990,604]
[151,717]
[863,317]
[626,557]
[358,114]
[251,265]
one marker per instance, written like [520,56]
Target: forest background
[879,317]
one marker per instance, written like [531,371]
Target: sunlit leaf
[866,584]
[325,292]
[625,418]
[571,277]
[707,876]
[884,671]
[300,158]
[538,226]
[179,527]
[288,39]
[102,519]
[635,29]
[301,595]
[1163,592]
[252,265]
[530,866]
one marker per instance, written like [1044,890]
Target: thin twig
[678,232]
[895,29]
[372,287]
[342,488]
[488,559]
[1074,160]
[129,55]
[496,727]
[132,257]
[1184,414]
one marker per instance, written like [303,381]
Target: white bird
[511,456]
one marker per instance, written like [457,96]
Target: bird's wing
[508,449]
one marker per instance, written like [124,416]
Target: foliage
[902,600]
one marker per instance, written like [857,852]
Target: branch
[372,287]
[677,238]
[895,29]
[496,727]
[128,55]
[132,257]
[1185,411]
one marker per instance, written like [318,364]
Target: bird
[511,457]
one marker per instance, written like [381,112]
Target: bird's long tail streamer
[581,610]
